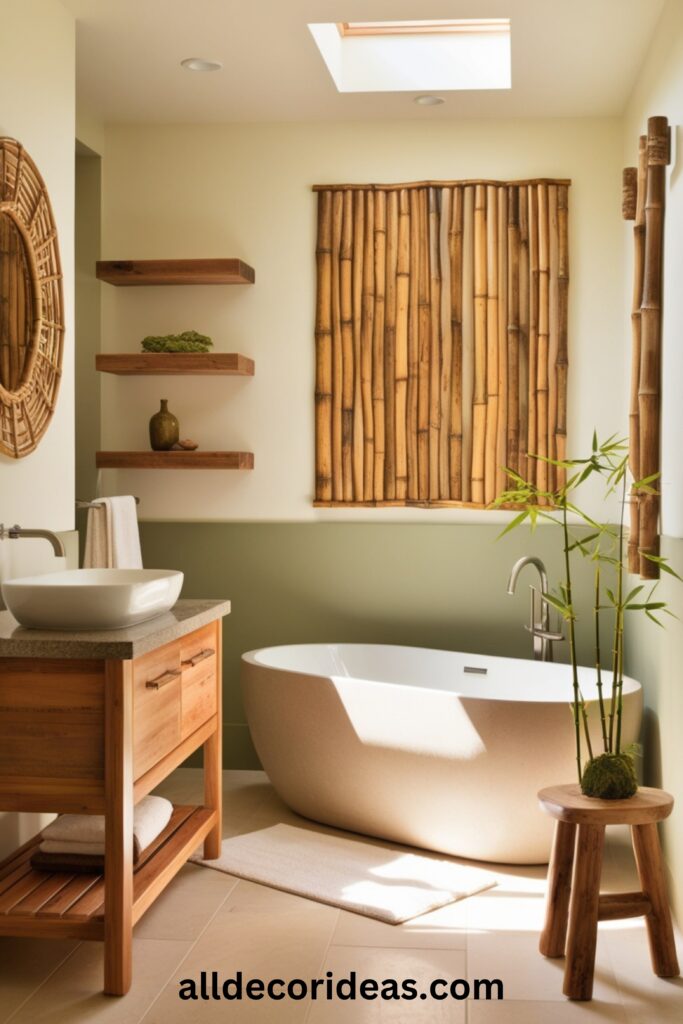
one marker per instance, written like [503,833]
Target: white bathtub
[435,749]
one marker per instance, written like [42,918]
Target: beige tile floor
[207,921]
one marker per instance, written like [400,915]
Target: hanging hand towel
[112,539]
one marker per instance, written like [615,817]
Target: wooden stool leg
[554,934]
[583,913]
[653,883]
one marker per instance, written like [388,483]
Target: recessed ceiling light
[200,64]
[428,100]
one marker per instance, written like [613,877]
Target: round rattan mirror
[31,303]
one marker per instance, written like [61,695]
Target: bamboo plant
[610,774]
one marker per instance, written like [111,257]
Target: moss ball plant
[610,777]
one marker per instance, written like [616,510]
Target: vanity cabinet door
[156,702]
[198,664]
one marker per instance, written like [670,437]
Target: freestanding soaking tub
[435,749]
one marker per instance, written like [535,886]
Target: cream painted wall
[659,90]
[654,655]
[37,106]
[244,190]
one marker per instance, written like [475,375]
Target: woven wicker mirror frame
[31,304]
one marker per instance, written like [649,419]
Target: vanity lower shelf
[61,905]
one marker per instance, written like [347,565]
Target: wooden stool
[576,899]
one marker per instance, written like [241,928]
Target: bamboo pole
[553,328]
[513,329]
[446,384]
[390,347]
[401,367]
[491,442]
[413,329]
[638,209]
[430,183]
[378,344]
[456,266]
[434,341]
[479,399]
[346,309]
[523,407]
[650,338]
[562,357]
[424,340]
[358,270]
[323,349]
[467,341]
[337,355]
[531,464]
[367,334]
[542,341]
[502,480]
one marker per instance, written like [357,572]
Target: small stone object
[164,429]
[188,341]
[609,777]
[185,446]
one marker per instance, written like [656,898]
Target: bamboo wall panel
[643,201]
[441,340]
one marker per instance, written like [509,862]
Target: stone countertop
[117,644]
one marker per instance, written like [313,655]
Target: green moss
[610,777]
[188,341]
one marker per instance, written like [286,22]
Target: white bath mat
[388,883]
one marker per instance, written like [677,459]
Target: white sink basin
[92,598]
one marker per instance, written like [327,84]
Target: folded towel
[83,834]
[112,539]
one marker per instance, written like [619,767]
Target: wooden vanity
[89,724]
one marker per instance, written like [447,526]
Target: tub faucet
[539,612]
[17,532]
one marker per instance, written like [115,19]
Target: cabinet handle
[201,656]
[163,680]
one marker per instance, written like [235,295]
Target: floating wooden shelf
[175,460]
[175,363]
[155,272]
[69,905]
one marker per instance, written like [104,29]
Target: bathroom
[146,160]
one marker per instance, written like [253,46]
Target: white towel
[112,538]
[84,833]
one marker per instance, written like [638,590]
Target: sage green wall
[655,656]
[429,585]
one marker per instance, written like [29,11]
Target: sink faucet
[539,617]
[17,532]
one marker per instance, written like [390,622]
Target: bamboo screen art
[441,340]
[644,190]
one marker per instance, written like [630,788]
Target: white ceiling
[570,58]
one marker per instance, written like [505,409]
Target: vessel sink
[83,599]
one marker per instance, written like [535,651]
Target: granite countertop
[118,644]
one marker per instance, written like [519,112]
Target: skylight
[406,28]
[416,56]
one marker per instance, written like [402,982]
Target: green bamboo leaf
[634,593]
[595,440]
[646,480]
[654,619]
[662,563]
[565,611]
[514,523]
